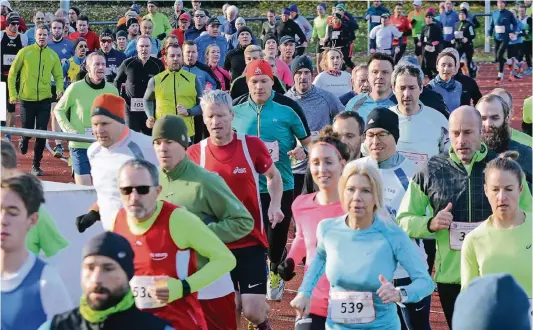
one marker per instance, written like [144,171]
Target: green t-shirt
[45,236]
[521,137]
[527,110]
[319,27]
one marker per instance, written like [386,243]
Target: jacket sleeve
[149,98]
[412,216]
[491,25]
[469,264]
[188,231]
[525,198]
[12,76]
[299,32]
[60,112]
[166,24]
[121,76]
[57,72]
[233,221]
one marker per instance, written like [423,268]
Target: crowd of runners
[401,178]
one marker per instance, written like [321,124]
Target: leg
[42,117]
[318,56]
[448,294]
[298,184]
[527,52]
[81,166]
[501,47]
[398,56]
[317,322]
[27,118]
[415,316]
[430,248]
[218,312]
[418,49]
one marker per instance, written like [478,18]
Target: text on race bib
[314,135]
[273,149]
[8,59]
[335,34]
[89,131]
[137,105]
[415,157]
[499,29]
[375,19]
[447,30]
[352,307]
[459,34]
[429,48]
[458,232]
[139,286]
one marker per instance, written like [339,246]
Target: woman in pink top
[212,54]
[327,158]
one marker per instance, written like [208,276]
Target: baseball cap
[213,21]
[5,3]
[257,68]
[286,39]
[417,2]
[185,17]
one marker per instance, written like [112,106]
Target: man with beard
[107,301]
[495,114]
[516,135]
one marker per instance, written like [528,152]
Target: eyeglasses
[141,190]
[106,41]
[14,23]
[380,135]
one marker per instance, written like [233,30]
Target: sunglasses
[141,190]
[199,16]
[106,41]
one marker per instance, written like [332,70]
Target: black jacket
[289,28]
[130,319]
[431,33]
[468,32]
[470,85]
[234,62]
[434,100]
[340,37]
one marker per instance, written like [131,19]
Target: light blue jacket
[448,20]
[363,104]
[131,48]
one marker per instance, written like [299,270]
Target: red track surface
[281,315]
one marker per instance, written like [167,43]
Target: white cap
[417,2]
[5,3]
[465,5]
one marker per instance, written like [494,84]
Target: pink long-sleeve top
[284,72]
[307,214]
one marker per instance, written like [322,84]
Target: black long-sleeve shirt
[289,28]
[136,75]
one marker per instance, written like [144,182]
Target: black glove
[86,220]
[162,36]
[286,269]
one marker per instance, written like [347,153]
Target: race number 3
[352,307]
[458,232]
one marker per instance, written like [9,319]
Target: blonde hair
[252,49]
[208,49]
[324,61]
[371,171]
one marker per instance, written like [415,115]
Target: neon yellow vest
[73,70]
[173,88]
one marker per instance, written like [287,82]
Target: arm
[131,49]
[121,76]
[491,25]
[412,216]
[149,98]
[299,32]
[65,67]
[197,109]
[16,66]
[61,109]
[211,76]
[525,198]
[166,24]
[57,72]
[54,295]
[188,231]
[298,250]
[317,267]
[469,265]
[274,186]
[309,30]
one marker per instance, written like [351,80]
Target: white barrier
[65,202]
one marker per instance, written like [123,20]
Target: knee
[255,310]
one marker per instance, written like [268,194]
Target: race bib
[375,19]
[351,307]
[137,105]
[459,34]
[139,286]
[89,131]
[314,135]
[458,232]
[9,59]
[273,149]
[499,29]
[335,34]
[429,48]
[447,30]
[415,157]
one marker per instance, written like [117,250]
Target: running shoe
[275,287]
[8,137]
[518,76]
[473,71]
[498,81]
[528,71]
[36,170]
[58,151]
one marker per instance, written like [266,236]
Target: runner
[383,36]
[495,115]
[72,67]
[233,41]
[319,107]
[200,69]
[464,36]
[183,181]
[197,5]
[176,15]
[200,19]
[113,57]
[115,144]
[269,26]
[304,25]
[332,78]
[320,24]
[146,30]
[526,45]
[380,67]
[37,92]
[162,26]
[508,228]
[135,72]
[169,100]
[288,27]
[129,19]
[417,20]
[12,42]
[527,117]
[448,19]
[122,41]
[239,160]
[502,26]
[234,61]
[467,81]
[212,55]
[516,135]
[38,18]
[361,193]
[429,42]
[359,83]
[83,31]
[404,26]
[32,291]
[340,35]
[212,37]
[107,301]
[73,14]
[281,142]
[328,156]
[132,27]
[514,50]
[6,9]
[449,184]
[183,25]
[373,14]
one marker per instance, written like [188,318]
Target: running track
[281,316]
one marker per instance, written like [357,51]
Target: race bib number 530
[458,232]
[351,307]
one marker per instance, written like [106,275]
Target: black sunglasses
[141,190]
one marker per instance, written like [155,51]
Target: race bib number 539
[351,307]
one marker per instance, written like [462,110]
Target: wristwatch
[403,294]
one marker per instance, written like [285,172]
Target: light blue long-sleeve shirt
[363,104]
[131,48]
[31,36]
[354,259]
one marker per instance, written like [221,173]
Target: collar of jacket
[178,171]
[479,155]
[255,105]
[39,47]
[93,85]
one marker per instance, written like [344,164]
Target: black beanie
[384,118]
[244,29]
[113,246]
[131,21]
[269,36]
[301,62]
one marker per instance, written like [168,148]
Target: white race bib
[459,34]
[89,131]
[415,157]
[447,30]
[139,286]
[458,232]
[335,34]
[429,48]
[351,307]
[273,149]
[499,29]
[376,19]
[137,105]
[314,135]
[9,59]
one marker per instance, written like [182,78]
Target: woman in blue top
[359,252]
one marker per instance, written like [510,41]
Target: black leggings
[311,322]
[346,54]
[447,295]
[500,48]
[35,115]
[526,51]
[277,237]
[468,50]
[137,122]
[429,63]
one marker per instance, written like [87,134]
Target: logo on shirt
[239,170]
[158,256]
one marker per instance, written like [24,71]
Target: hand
[150,122]
[512,36]
[161,294]
[396,50]
[182,110]
[59,95]
[286,269]
[301,304]
[275,215]
[452,41]
[442,220]
[162,36]
[14,101]
[86,220]
[419,44]
[367,17]
[298,153]
[465,40]
[387,292]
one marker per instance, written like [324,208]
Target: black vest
[9,49]
[130,319]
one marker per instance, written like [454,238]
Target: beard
[497,138]
[113,298]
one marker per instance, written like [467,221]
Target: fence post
[368,28]
[487,22]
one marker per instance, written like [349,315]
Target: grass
[112,10]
